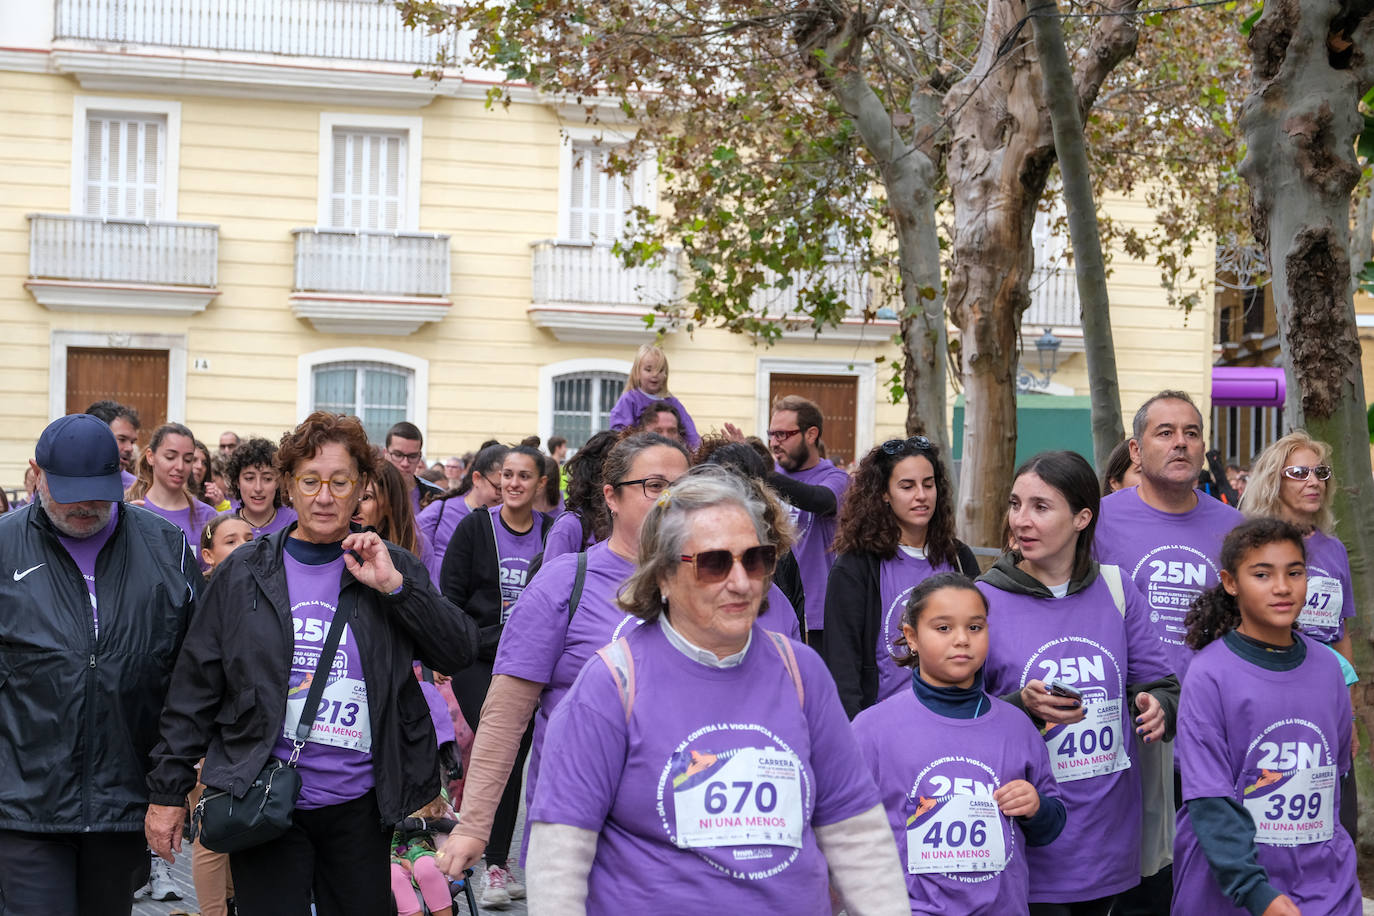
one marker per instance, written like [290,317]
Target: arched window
[380,387]
[577,396]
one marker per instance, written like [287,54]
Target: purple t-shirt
[1172,557]
[565,536]
[84,552]
[937,793]
[815,536]
[336,762]
[514,552]
[283,518]
[190,521]
[779,615]
[1330,594]
[126,479]
[897,579]
[632,403]
[1276,742]
[437,522]
[1082,640]
[710,791]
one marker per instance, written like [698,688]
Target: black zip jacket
[227,701]
[471,575]
[78,713]
[853,619]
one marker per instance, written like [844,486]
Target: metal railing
[590,273]
[853,286]
[1054,297]
[69,247]
[378,263]
[336,29]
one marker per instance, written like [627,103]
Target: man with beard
[95,597]
[123,422]
[812,487]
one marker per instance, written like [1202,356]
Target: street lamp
[1047,350]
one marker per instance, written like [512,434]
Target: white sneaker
[495,894]
[160,883]
[513,887]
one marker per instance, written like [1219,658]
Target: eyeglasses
[781,435]
[915,444]
[653,487]
[714,566]
[1300,471]
[340,487]
[407,457]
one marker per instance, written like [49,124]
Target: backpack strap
[789,661]
[1112,576]
[622,664]
[579,579]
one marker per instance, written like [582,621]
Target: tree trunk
[909,173]
[1089,267]
[1300,122]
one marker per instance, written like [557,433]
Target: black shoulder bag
[228,823]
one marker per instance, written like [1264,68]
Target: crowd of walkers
[719,670]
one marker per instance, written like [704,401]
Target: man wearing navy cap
[95,597]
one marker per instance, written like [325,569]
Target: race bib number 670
[751,797]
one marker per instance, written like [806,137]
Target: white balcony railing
[338,29]
[372,263]
[90,248]
[590,273]
[852,284]
[1054,297]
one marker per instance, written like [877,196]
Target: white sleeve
[557,865]
[865,871]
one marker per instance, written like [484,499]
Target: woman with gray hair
[702,757]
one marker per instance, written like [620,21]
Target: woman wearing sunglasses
[1291,480]
[896,530]
[564,615]
[702,757]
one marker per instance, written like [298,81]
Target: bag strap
[1112,576]
[578,580]
[348,600]
[789,661]
[619,659]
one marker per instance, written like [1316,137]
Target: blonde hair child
[647,384]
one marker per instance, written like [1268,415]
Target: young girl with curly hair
[1263,739]
[896,529]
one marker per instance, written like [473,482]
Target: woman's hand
[1149,725]
[1017,798]
[1282,905]
[1042,704]
[162,828]
[367,560]
[460,853]
[733,432]
[214,493]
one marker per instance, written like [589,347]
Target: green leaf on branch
[1247,24]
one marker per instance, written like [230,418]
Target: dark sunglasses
[1300,471]
[915,444]
[714,565]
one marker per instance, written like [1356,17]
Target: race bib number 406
[746,797]
[955,833]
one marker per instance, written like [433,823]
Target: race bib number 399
[746,797]
[1293,807]
[955,833]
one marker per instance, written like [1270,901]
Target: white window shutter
[125,159]
[577,203]
[368,187]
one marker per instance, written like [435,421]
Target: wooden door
[136,378]
[838,398]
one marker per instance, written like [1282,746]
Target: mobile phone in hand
[1059,689]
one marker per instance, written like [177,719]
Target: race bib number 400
[1292,808]
[1091,746]
[955,833]
[751,796]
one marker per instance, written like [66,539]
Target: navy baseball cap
[80,460]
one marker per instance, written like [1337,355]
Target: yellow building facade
[238,212]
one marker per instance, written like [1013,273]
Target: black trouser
[71,874]
[1099,907]
[814,638]
[341,853]
[1154,895]
[1350,806]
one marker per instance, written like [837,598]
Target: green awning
[1043,422]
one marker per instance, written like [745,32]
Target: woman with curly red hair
[896,530]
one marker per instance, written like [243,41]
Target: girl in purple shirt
[965,800]
[438,520]
[648,382]
[1073,646]
[164,478]
[1263,740]
[584,520]
[255,484]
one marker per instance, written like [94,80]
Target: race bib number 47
[746,797]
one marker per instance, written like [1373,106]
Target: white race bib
[754,799]
[1292,808]
[956,833]
[342,720]
[1324,602]
[1090,747]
